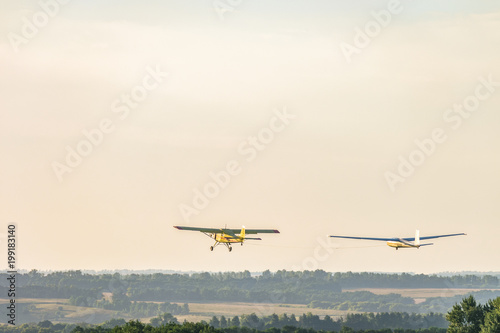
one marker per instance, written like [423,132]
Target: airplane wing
[231,232]
[368,238]
[438,236]
[395,239]
[210,230]
[257,231]
[236,233]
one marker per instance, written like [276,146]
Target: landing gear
[220,240]
[213,246]
[228,246]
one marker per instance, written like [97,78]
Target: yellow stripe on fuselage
[224,238]
[399,244]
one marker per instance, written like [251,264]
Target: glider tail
[417,237]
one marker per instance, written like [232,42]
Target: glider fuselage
[398,245]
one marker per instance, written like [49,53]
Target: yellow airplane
[228,236]
[402,242]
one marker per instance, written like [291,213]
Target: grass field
[418,293]
[58,310]
[205,311]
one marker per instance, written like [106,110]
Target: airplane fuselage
[224,238]
[398,245]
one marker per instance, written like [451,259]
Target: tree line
[316,288]
[360,321]
[168,323]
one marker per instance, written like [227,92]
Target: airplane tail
[417,237]
[242,235]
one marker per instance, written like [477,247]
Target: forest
[253,324]
[316,289]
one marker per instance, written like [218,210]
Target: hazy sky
[356,86]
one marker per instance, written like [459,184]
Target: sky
[122,119]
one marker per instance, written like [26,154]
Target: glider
[228,236]
[402,242]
